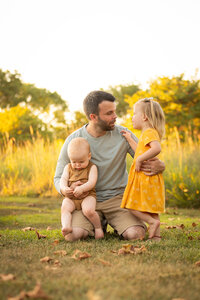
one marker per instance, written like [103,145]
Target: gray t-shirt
[108,154]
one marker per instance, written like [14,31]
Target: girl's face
[138,116]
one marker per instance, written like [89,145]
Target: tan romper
[80,175]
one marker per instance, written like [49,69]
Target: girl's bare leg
[146,217]
[88,208]
[66,215]
[157,236]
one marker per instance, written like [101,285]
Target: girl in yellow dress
[144,195]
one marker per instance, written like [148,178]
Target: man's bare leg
[66,215]
[76,234]
[88,209]
[134,233]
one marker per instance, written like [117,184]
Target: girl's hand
[126,134]
[138,164]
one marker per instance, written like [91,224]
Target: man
[109,149]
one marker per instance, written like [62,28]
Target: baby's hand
[67,192]
[138,164]
[78,191]
[126,134]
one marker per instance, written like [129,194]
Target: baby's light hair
[78,144]
[154,114]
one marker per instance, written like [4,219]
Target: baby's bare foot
[66,230]
[98,233]
[153,227]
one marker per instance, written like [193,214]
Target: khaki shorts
[119,218]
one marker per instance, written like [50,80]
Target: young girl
[144,195]
[82,171]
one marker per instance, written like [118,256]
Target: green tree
[120,92]
[179,98]
[18,123]
[13,92]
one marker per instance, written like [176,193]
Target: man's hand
[152,166]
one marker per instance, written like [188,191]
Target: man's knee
[134,233]
[76,234]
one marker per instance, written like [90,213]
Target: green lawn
[165,271]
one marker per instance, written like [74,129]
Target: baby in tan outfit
[77,184]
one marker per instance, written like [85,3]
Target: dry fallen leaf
[170,227]
[92,296]
[27,229]
[78,255]
[7,277]
[194,224]
[37,293]
[31,205]
[56,242]
[130,249]
[40,236]
[182,226]
[49,228]
[106,263]
[190,238]
[61,252]
[21,296]
[197,263]
[46,259]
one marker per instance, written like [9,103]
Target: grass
[29,170]
[165,271]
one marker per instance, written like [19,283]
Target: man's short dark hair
[92,101]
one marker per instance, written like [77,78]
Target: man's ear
[93,117]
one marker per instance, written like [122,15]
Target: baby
[77,185]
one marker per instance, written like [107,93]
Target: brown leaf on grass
[31,205]
[40,236]
[27,229]
[21,296]
[57,263]
[46,259]
[182,226]
[194,224]
[61,252]
[37,293]
[104,262]
[197,263]
[7,277]
[56,242]
[113,251]
[130,249]
[78,255]
[190,238]
[49,228]
[170,227]
[92,296]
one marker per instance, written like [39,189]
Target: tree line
[27,111]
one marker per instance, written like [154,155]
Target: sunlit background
[73,47]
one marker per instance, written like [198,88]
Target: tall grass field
[28,170]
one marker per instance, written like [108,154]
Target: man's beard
[104,126]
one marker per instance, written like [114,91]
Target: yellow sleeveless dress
[144,193]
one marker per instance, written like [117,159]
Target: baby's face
[79,161]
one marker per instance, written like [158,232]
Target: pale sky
[76,46]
